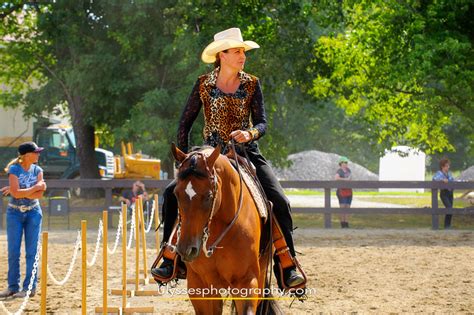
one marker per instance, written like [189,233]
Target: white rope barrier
[132,228]
[150,222]
[71,264]
[77,246]
[97,245]
[117,236]
[30,286]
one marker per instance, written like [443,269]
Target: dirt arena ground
[352,271]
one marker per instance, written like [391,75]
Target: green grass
[300,220]
[304,192]
[412,202]
[385,221]
[311,192]
[381,221]
[415,202]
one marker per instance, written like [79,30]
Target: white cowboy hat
[230,38]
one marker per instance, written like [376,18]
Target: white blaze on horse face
[190,190]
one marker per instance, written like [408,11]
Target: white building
[14,128]
[402,163]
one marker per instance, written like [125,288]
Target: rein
[213,180]
[210,251]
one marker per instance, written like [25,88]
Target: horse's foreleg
[197,290]
[246,293]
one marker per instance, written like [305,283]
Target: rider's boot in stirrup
[165,270]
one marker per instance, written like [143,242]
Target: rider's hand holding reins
[241,136]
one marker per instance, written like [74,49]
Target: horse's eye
[208,200]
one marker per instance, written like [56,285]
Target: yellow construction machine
[133,165]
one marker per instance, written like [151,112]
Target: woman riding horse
[233,109]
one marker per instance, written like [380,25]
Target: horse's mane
[191,170]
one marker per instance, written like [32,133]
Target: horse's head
[196,192]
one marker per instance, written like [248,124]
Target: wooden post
[137,244]
[108,204]
[434,207]
[44,274]
[104,260]
[146,279]
[327,206]
[157,224]
[142,232]
[124,292]
[1,213]
[124,255]
[105,309]
[84,265]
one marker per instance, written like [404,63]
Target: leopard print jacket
[223,112]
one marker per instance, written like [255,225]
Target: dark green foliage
[350,77]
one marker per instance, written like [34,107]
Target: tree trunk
[85,150]
[84,140]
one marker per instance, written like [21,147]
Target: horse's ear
[214,155]
[177,153]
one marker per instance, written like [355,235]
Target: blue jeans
[447,198]
[17,222]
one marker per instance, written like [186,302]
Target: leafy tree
[277,27]
[404,67]
[397,71]
[74,52]
[47,60]
[129,67]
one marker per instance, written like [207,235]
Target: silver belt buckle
[23,208]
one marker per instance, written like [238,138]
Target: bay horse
[216,207]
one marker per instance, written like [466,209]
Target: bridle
[211,174]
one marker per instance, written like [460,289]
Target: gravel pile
[317,165]
[467,174]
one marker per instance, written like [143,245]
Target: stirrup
[285,260]
[298,290]
[178,271]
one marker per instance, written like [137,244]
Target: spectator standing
[344,195]
[446,195]
[24,216]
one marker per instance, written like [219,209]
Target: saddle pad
[255,192]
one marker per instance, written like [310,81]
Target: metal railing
[328,187]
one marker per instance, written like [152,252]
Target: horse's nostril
[192,251]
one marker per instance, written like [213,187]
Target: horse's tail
[265,307]
[269,307]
